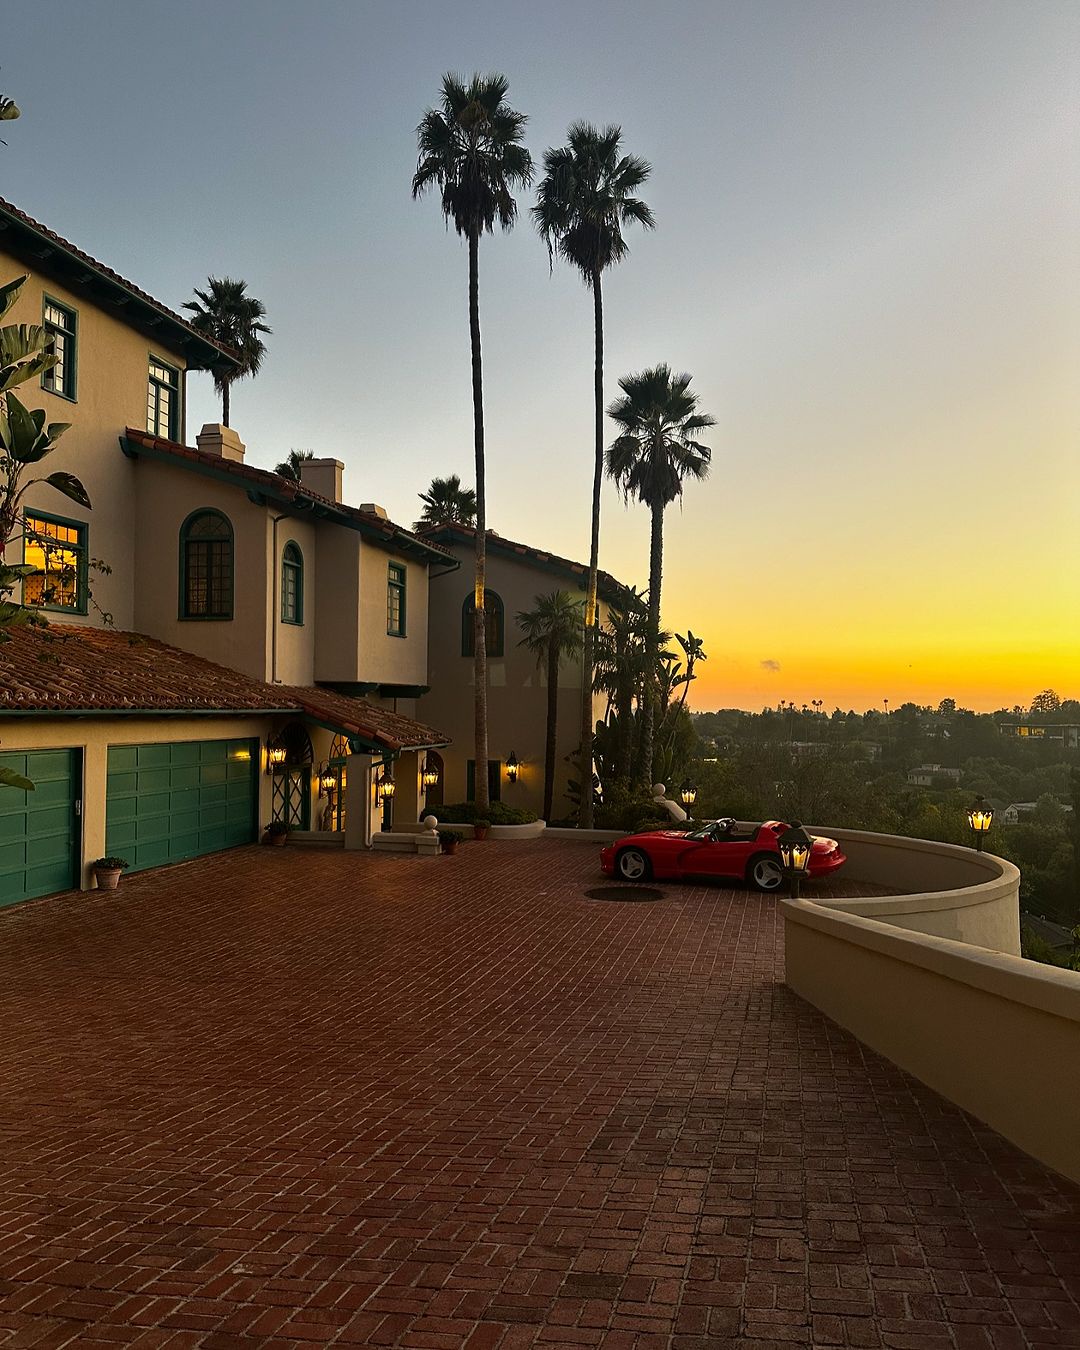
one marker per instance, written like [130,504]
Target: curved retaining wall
[932,980]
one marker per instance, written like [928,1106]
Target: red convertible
[719,848]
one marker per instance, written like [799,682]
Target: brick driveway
[281,1096]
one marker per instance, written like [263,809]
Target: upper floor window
[163,400]
[57,548]
[395,600]
[292,584]
[59,323]
[206,567]
[493,620]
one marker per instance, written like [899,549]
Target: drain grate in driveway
[624,893]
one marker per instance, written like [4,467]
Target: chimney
[323,476]
[215,439]
[374,510]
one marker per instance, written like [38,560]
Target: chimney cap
[373,509]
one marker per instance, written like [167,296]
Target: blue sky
[866,254]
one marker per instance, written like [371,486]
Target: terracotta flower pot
[108,878]
[278,840]
[450,848]
[481,831]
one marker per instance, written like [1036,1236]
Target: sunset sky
[867,255]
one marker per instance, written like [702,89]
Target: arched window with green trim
[206,566]
[292,584]
[494,620]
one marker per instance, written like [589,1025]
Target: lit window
[493,625]
[292,585]
[206,567]
[163,400]
[57,548]
[395,600]
[59,324]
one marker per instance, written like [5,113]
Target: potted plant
[107,872]
[276,833]
[449,840]
[481,828]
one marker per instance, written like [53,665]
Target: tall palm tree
[446,502]
[470,150]
[656,451]
[552,630]
[226,313]
[293,466]
[584,201]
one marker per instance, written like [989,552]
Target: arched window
[206,566]
[292,584]
[494,621]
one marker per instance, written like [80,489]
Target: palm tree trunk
[552,726]
[480,615]
[225,404]
[585,813]
[648,709]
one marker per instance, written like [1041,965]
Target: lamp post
[980,818]
[688,792]
[795,846]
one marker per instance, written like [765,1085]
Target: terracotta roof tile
[68,668]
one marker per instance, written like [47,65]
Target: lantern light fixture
[327,781]
[688,792]
[513,767]
[275,757]
[980,818]
[795,848]
[429,774]
[384,786]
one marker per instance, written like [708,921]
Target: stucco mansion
[255,648]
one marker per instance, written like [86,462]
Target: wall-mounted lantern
[275,757]
[980,818]
[688,792]
[795,848]
[327,781]
[513,767]
[385,786]
[429,774]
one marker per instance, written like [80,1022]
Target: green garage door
[38,830]
[170,802]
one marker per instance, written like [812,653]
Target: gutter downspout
[275,601]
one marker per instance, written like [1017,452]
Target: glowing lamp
[384,786]
[688,793]
[275,757]
[795,847]
[429,775]
[980,818]
[327,781]
[513,768]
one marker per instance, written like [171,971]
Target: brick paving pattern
[283,1097]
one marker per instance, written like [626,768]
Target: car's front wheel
[765,872]
[633,865]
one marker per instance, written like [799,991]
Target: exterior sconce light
[795,846]
[513,768]
[327,781]
[384,786]
[688,792]
[275,757]
[429,775]
[980,818]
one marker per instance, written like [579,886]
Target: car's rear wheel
[633,865]
[765,872]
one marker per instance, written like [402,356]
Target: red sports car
[719,848]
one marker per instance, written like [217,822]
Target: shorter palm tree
[654,454]
[446,502]
[228,315]
[292,467]
[553,629]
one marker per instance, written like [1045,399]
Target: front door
[292,796]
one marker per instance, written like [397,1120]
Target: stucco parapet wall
[1029,983]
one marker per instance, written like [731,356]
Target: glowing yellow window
[57,548]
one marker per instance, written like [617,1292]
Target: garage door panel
[183,800]
[38,830]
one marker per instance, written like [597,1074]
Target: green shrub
[634,812]
[496,813]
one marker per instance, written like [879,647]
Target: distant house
[1066,734]
[1017,811]
[925,775]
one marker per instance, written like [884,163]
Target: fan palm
[583,203]
[446,502]
[656,451]
[470,151]
[552,630]
[227,314]
[292,467]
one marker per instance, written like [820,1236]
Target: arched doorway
[291,793]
